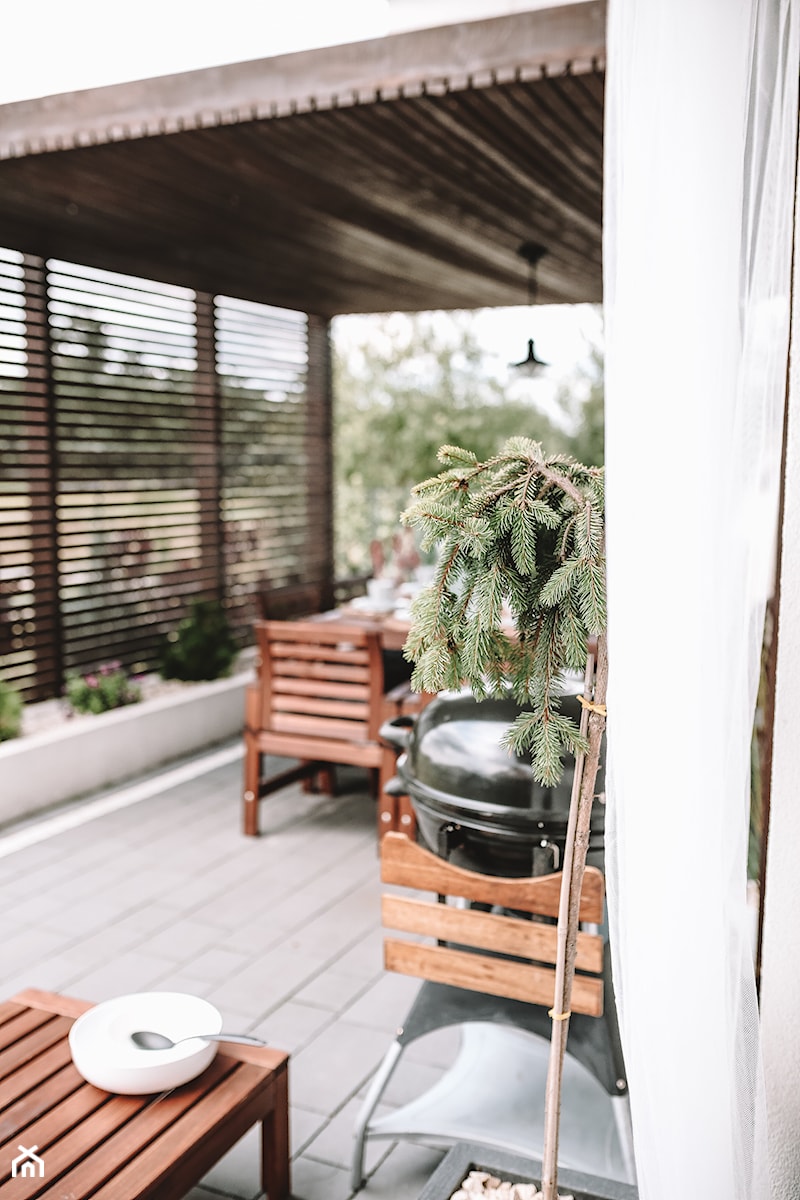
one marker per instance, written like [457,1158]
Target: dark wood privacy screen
[157,445]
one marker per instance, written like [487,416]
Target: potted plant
[202,646]
[523,533]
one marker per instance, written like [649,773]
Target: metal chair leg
[376,1090]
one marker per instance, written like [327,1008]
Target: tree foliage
[398,397]
[520,530]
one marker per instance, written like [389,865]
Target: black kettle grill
[477,802]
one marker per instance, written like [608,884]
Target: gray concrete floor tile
[385,1003]
[334,1066]
[303,1126]
[334,1141]
[238,1173]
[213,964]
[403,1173]
[179,942]
[267,982]
[26,946]
[312,1180]
[331,990]
[293,1025]
[365,958]
[130,972]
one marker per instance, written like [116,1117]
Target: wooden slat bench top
[107,1147]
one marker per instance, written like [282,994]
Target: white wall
[426,14]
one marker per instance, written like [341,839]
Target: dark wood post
[319,448]
[42,484]
[208,448]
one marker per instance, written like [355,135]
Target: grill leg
[376,1089]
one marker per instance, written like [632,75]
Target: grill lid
[454,754]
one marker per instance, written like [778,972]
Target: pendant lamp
[530,365]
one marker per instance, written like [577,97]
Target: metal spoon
[148,1039]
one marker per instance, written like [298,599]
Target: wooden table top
[393,629]
[113,1147]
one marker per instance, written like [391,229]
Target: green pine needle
[526,531]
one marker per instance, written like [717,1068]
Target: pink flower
[90,680]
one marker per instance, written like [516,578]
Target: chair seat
[494,1094]
[326,750]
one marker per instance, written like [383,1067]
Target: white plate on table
[372,607]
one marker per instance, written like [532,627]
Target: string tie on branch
[590,704]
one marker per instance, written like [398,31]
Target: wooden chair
[319,698]
[485,961]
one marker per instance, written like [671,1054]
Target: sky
[75,44]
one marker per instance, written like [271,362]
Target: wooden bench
[107,1147]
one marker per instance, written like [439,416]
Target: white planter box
[81,756]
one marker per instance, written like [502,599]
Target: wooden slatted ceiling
[413,203]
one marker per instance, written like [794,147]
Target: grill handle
[397,732]
[546,844]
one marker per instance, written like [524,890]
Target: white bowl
[381,592]
[103,1053]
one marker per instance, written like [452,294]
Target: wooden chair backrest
[291,600]
[320,680]
[520,952]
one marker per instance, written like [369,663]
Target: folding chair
[488,968]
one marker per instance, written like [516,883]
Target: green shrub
[96,692]
[10,711]
[202,647]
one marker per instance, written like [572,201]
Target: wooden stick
[574,865]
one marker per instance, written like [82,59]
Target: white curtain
[701,112]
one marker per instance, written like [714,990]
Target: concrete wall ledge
[41,770]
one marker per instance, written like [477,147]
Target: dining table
[393,624]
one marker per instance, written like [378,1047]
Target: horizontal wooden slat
[310,684]
[318,633]
[322,727]
[319,654]
[19,1025]
[327,749]
[486,931]
[57,1115]
[495,976]
[44,1095]
[32,1044]
[347,709]
[407,864]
